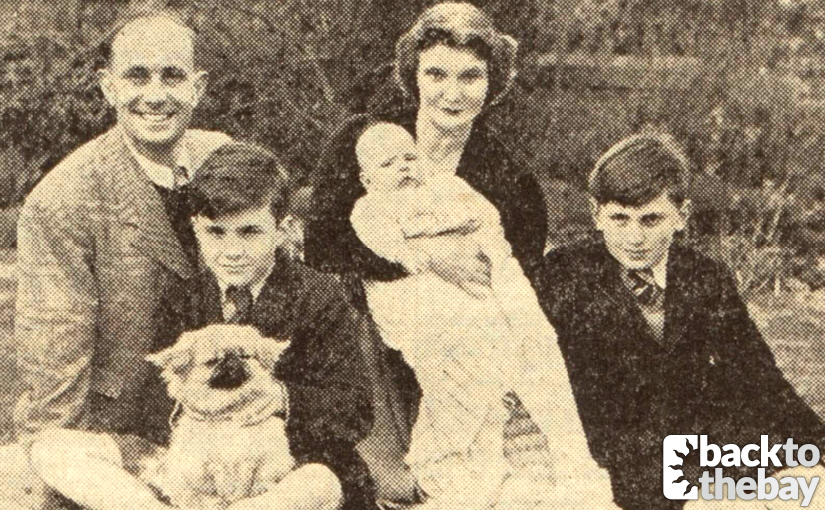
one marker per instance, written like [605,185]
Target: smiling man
[104,243]
[656,338]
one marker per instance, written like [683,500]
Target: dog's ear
[268,352]
[174,362]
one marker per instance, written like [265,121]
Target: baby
[408,214]
[471,345]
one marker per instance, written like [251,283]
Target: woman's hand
[462,264]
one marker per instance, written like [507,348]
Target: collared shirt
[654,311]
[162,175]
[228,307]
[660,272]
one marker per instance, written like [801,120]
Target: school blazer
[712,374]
[99,268]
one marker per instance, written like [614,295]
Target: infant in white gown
[469,346]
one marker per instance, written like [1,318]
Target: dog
[228,437]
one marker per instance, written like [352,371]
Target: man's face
[239,248]
[152,83]
[639,237]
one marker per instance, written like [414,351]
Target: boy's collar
[255,288]
[660,271]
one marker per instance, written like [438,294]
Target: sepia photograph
[412,254]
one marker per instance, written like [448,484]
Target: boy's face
[239,248]
[387,157]
[639,237]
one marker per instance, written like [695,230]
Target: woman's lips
[637,254]
[235,269]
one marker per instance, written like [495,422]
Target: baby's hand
[431,225]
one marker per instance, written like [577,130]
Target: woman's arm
[331,244]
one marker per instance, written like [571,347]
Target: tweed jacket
[323,369]
[713,373]
[97,257]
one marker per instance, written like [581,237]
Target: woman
[453,66]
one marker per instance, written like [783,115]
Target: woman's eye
[436,74]
[410,157]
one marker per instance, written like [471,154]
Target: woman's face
[452,85]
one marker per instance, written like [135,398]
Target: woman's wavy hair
[457,25]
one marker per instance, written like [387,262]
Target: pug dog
[228,437]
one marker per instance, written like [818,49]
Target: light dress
[468,352]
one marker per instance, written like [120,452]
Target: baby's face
[387,157]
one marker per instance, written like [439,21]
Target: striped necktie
[644,286]
[240,297]
[180,176]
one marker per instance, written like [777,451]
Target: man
[656,338]
[239,202]
[104,242]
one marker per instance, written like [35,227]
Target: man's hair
[638,169]
[238,177]
[139,14]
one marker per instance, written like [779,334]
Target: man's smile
[154,117]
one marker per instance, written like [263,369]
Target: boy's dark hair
[638,169]
[238,177]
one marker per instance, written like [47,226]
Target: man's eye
[216,232]
[410,157]
[620,219]
[138,75]
[387,163]
[173,76]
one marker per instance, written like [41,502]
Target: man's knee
[54,451]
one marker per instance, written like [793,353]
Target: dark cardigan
[330,407]
[716,376]
[486,164]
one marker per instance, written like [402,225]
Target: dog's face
[220,368]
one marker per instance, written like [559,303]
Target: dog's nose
[229,373]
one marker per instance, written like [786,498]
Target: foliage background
[737,81]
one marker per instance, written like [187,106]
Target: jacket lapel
[143,209]
[623,306]
[678,299]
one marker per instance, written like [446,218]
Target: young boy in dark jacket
[656,338]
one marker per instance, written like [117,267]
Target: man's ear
[684,214]
[200,81]
[104,77]
[594,211]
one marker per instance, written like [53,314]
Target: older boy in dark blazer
[656,338]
